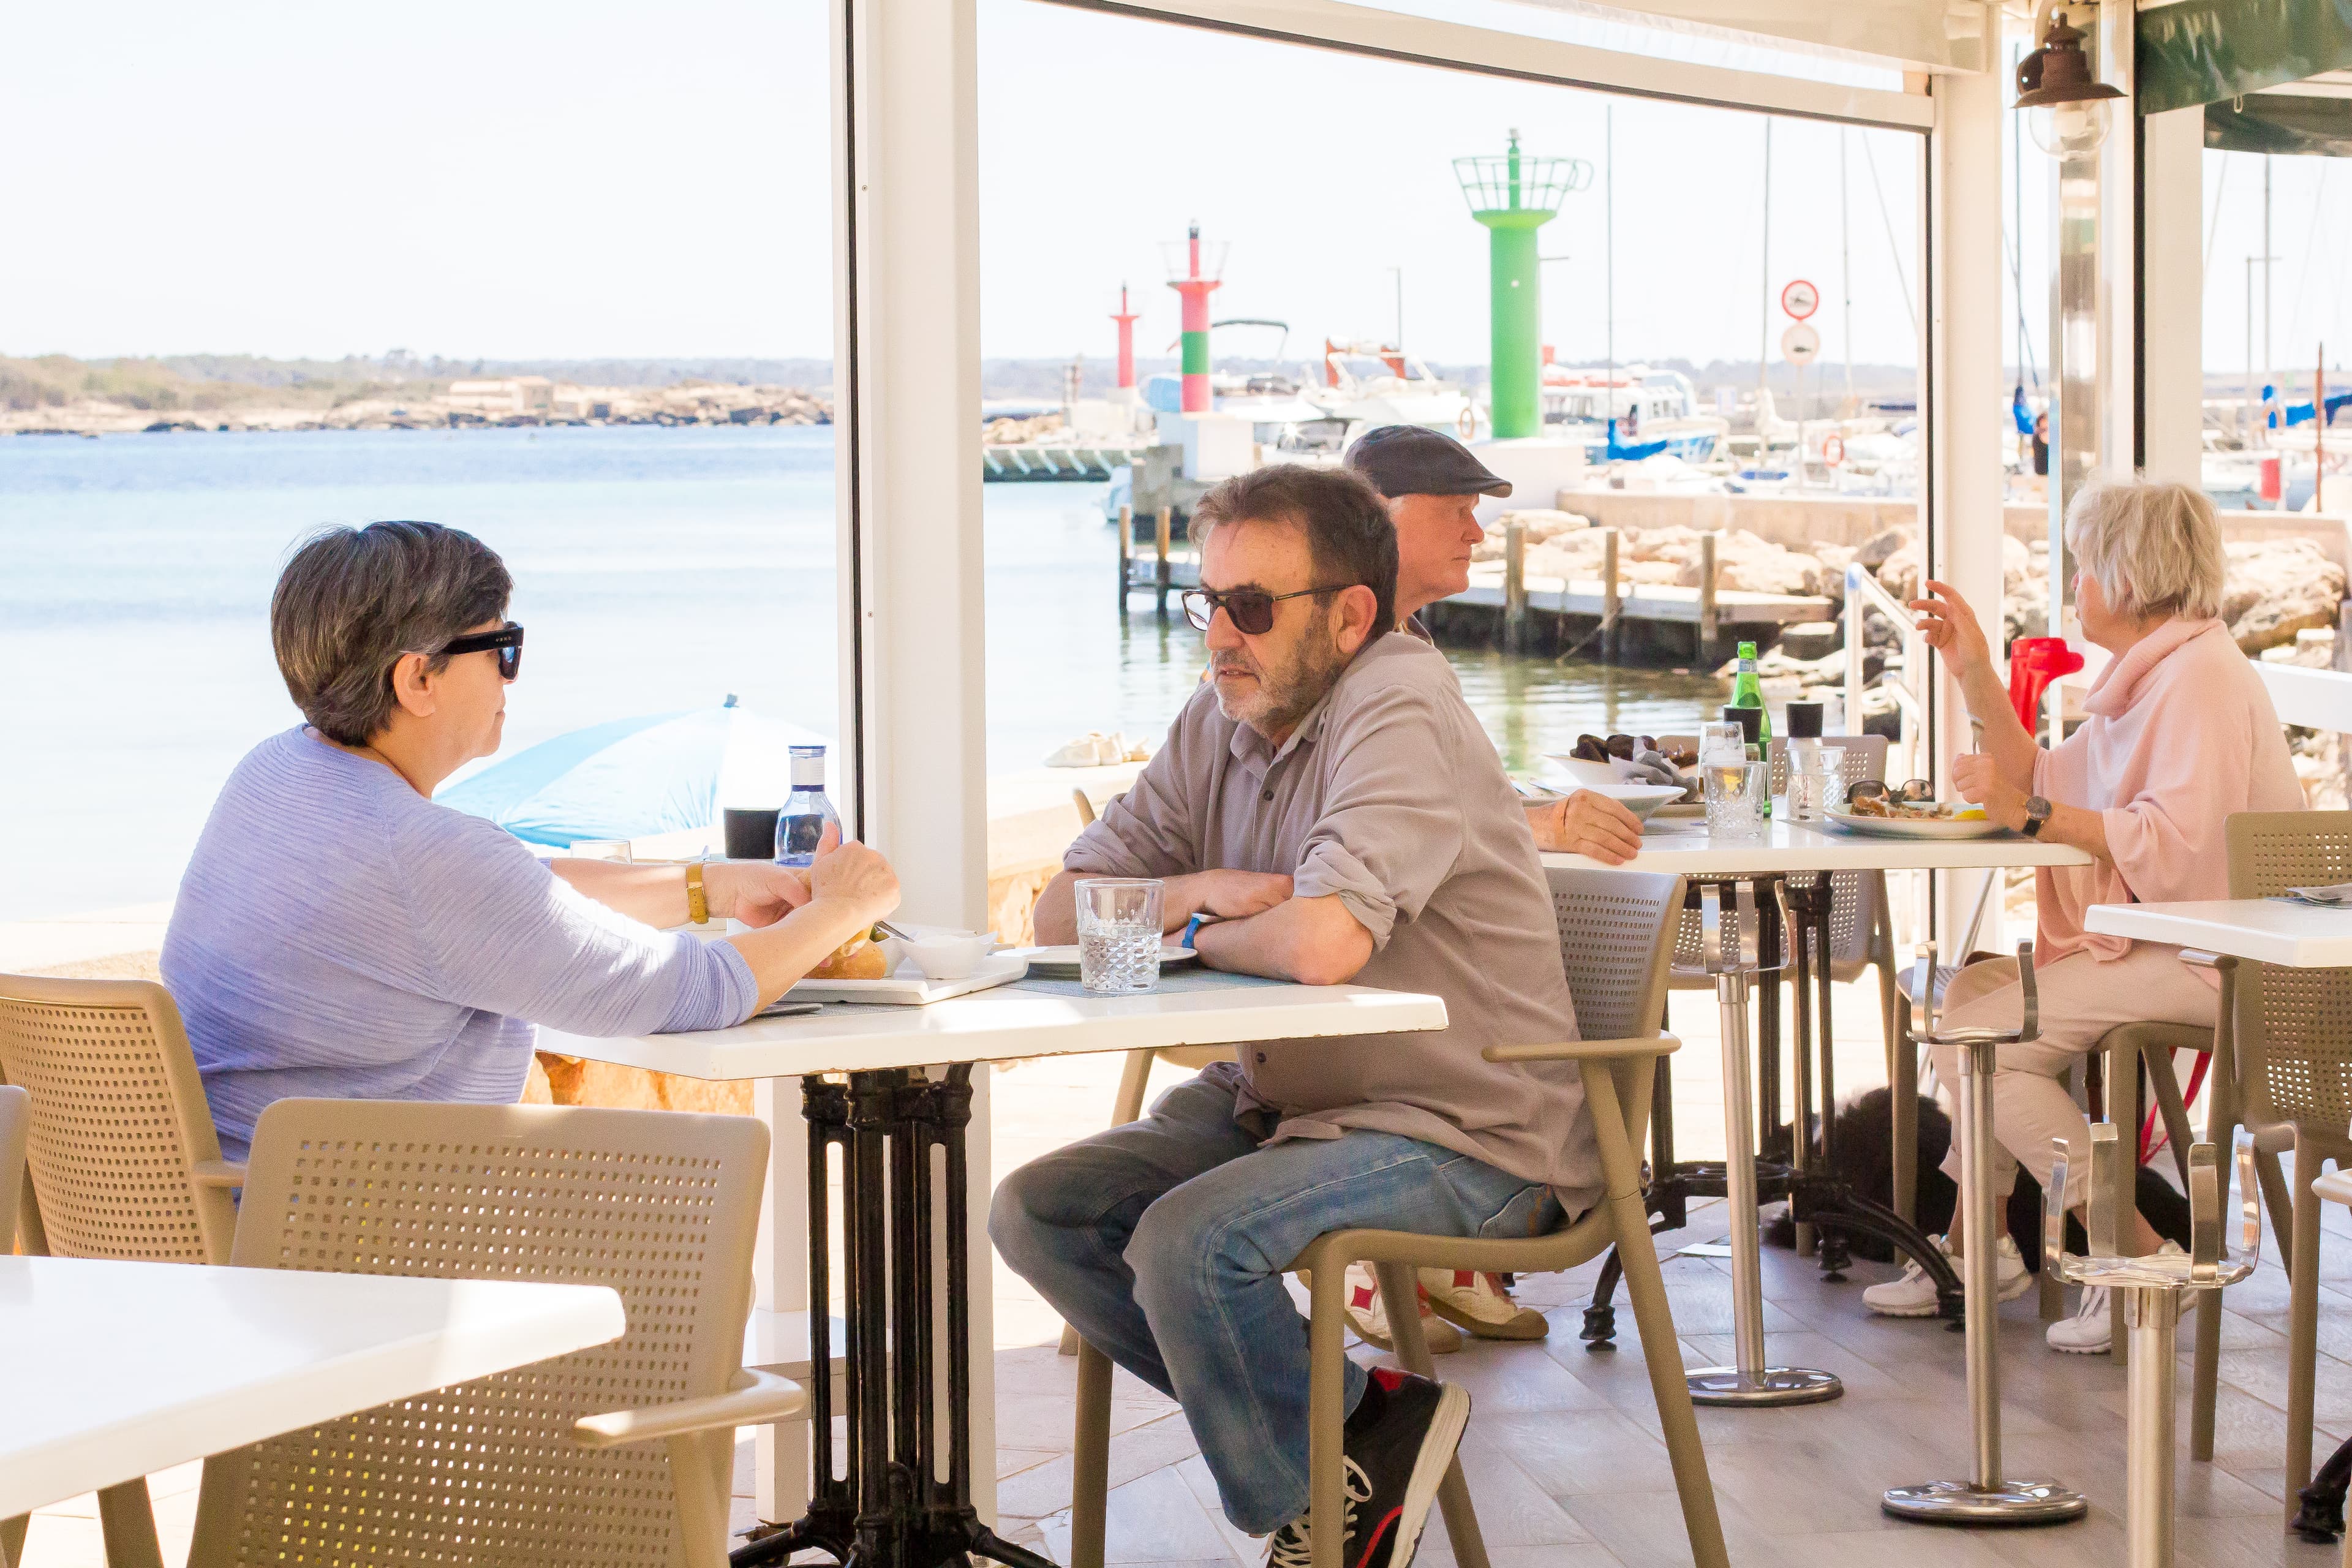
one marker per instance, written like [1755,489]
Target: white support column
[905,135]
[2118,367]
[2172,290]
[1966,331]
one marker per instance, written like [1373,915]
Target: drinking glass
[1735,798]
[1721,738]
[1815,779]
[1119,934]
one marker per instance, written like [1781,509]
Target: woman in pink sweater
[2181,734]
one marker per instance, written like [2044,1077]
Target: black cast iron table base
[1816,1198]
[888,1508]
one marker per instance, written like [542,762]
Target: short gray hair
[2154,547]
[352,600]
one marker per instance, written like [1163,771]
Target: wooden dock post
[1159,591]
[1125,549]
[1611,606]
[1515,587]
[1706,624]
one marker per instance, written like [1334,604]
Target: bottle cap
[1748,650]
[1749,719]
[1804,721]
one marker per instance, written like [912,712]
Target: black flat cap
[1415,460]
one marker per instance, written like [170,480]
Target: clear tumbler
[1119,934]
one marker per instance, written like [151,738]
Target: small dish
[1588,774]
[1641,799]
[944,955]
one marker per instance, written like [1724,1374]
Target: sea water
[657,568]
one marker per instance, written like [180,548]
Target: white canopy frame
[907,356]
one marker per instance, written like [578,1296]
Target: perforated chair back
[15,1118]
[1613,932]
[2296,1024]
[120,1130]
[660,1206]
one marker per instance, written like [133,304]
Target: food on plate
[1869,797]
[858,959]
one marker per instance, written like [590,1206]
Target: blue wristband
[1191,928]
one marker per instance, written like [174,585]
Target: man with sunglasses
[1326,808]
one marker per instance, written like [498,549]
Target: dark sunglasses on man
[506,641]
[1251,609]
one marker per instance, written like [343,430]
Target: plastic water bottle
[807,814]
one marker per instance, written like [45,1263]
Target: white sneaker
[1368,1315]
[1476,1302]
[2090,1331]
[1913,1295]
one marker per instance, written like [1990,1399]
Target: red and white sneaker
[1477,1301]
[1368,1315]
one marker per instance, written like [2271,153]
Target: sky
[534,180]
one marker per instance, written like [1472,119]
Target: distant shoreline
[705,405]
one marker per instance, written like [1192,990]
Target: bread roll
[857,958]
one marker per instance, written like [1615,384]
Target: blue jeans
[1163,1242]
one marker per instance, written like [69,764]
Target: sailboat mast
[1845,271]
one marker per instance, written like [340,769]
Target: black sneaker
[1391,1472]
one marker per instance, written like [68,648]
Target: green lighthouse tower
[1514,197]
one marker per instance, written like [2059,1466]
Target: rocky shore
[446,407]
[2276,587]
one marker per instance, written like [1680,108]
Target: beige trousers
[2081,999]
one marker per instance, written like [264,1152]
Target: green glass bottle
[1747,693]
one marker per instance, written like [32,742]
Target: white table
[2294,936]
[890,1103]
[114,1371]
[1682,847]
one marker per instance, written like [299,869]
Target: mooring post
[1166,532]
[1611,605]
[1125,549]
[1706,624]
[1515,587]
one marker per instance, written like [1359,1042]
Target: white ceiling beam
[1916,35]
[1453,46]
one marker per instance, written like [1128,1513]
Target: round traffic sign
[1800,299]
[1800,344]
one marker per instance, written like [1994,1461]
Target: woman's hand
[1951,630]
[752,891]
[1978,779]
[855,878]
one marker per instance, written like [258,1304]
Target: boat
[1374,383]
[1634,414]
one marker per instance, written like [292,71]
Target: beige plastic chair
[617,1455]
[1614,930]
[16,1117]
[123,1158]
[2290,1037]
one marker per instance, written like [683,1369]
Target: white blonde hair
[2154,547]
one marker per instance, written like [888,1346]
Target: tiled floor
[1563,1454]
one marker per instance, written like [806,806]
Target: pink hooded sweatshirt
[2181,734]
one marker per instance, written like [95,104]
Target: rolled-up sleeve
[1149,830]
[1390,829]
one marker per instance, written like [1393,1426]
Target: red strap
[2152,1131]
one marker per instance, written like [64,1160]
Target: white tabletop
[113,1371]
[1010,1022]
[1684,847]
[2258,928]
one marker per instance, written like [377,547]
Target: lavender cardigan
[338,934]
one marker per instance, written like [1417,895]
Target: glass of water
[1119,934]
[1734,792]
[1815,785]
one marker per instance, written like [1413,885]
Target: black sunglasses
[1252,609]
[508,641]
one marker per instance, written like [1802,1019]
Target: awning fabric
[2213,51]
[2275,122]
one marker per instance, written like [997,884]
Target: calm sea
[657,569]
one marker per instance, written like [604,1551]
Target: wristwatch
[697,903]
[2037,812]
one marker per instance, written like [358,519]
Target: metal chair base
[1728,1385]
[2008,1503]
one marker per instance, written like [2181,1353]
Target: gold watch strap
[698,902]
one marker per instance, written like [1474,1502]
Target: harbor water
[657,568]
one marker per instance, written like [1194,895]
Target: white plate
[1641,799]
[1918,828]
[907,987]
[1062,962]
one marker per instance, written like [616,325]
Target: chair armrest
[2335,1186]
[759,1400]
[2221,963]
[216,1173]
[1585,1050]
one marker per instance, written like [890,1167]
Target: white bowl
[1641,799]
[1589,774]
[947,957]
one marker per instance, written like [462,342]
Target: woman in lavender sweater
[338,934]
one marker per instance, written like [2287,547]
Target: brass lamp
[2069,105]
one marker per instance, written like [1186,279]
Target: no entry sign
[1800,299]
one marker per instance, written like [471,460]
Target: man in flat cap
[1432,483]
